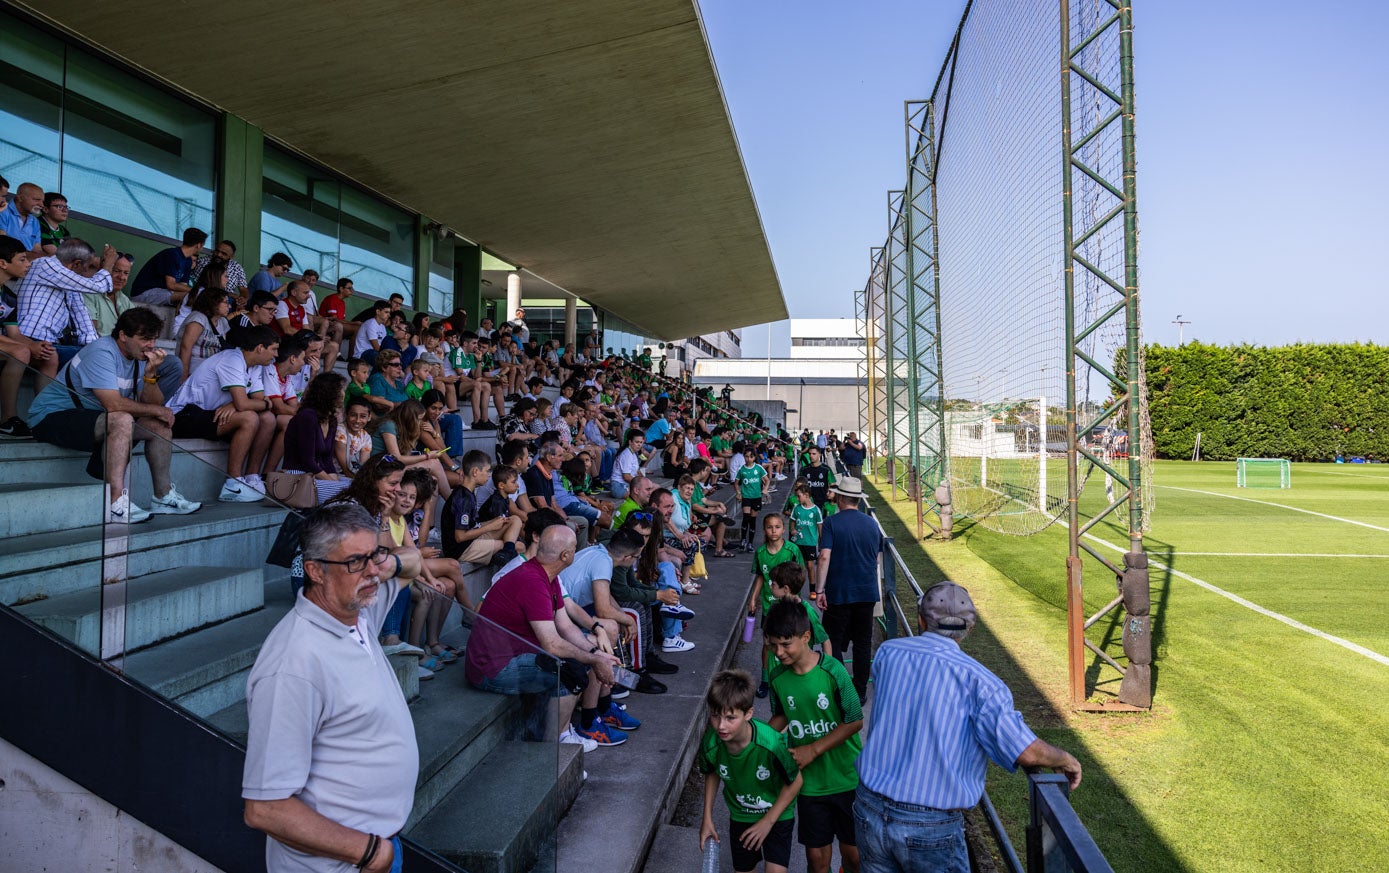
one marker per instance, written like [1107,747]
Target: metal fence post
[889,592]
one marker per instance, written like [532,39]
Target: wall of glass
[120,149]
[441,269]
[624,337]
[336,229]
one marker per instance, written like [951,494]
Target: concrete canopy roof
[587,142]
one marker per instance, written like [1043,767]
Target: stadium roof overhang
[586,142]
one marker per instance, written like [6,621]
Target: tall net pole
[877,346]
[863,368]
[900,342]
[1101,291]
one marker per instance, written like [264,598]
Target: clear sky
[1263,172]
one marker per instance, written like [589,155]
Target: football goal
[1264,473]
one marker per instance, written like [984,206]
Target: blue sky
[1262,170]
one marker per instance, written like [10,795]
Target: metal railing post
[889,593]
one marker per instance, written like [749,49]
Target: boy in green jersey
[814,701]
[806,519]
[760,778]
[419,379]
[752,482]
[771,553]
[359,371]
[786,582]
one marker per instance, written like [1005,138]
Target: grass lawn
[1268,746]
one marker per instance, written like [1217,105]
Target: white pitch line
[1276,616]
[1308,472]
[1280,506]
[1270,555]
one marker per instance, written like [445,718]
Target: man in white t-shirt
[372,332]
[222,400]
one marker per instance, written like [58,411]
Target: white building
[825,339]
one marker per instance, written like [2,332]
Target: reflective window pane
[31,101]
[299,216]
[377,246]
[441,278]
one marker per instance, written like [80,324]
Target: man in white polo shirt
[372,332]
[331,756]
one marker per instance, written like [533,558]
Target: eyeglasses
[358,563]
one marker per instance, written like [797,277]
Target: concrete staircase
[188,601]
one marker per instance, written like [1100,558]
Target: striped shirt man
[51,298]
[937,715]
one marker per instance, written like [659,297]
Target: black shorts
[70,428]
[776,848]
[195,423]
[809,553]
[753,503]
[825,819]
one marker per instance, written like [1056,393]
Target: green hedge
[1301,402]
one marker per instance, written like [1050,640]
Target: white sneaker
[780,477]
[239,491]
[569,736]
[402,649]
[256,483]
[122,511]
[173,503]
[676,644]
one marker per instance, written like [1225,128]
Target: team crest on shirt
[763,774]
[822,701]
[790,702]
[723,771]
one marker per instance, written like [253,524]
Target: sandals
[447,656]
[724,553]
[433,664]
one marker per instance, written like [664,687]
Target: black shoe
[763,690]
[648,685]
[512,398]
[655,664]
[15,429]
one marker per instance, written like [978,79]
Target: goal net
[1263,473]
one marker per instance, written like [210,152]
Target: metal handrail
[1057,840]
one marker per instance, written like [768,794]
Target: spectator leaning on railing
[938,717]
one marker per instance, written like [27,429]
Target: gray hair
[330,525]
[74,249]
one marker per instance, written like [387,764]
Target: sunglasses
[641,516]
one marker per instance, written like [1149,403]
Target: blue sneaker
[603,735]
[619,718]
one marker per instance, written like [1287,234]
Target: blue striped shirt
[937,714]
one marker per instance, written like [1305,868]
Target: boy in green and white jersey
[773,552]
[806,519]
[814,701]
[759,775]
[752,482]
[786,582]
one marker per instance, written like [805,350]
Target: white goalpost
[1263,473]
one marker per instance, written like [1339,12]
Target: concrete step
[53,563]
[205,672]
[507,809]
[40,507]
[159,606]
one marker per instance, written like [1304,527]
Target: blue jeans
[522,678]
[452,427]
[398,865]
[906,838]
[398,617]
[605,471]
[582,510]
[618,487]
[670,578]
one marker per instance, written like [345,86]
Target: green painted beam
[240,189]
[467,281]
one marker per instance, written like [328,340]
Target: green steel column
[239,189]
[424,254]
[910,286]
[467,281]
[1135,423]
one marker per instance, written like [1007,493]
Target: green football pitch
[1268,744]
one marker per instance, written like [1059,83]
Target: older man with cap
[938,717]
[847,577]
[331,758]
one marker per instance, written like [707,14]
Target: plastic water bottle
[711,856]
[748,627]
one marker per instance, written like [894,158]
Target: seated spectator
[505,482]
[284,400]
[52,230]
[421,377]
[310,437]
[629,464]
[291,314]
[464,536]
[204,330]
[673,458]
[222,400]
[575,480]
[398,435]
[661,428]
[525,629]
[267,279]
[359,371]
[333,309]
[213,279]
[113,380]
[681,542]
[21,222]
[259,312]
[388,382]
[658,567]
[442,431]
[463,359]
[399,341]
[372,333]
[17,350]
[50,296]
[223,255]
[312,344]
[540,487]
[515,427]
[164,279]
[106,308]
[517,456]
[708,513]
[352,445]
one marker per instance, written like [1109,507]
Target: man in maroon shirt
[524,630]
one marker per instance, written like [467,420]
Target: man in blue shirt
[938,717]
[268,278]
[847,577]
[19,220]
[163,280]
[660,429]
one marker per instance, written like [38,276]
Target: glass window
[376,246]
[299,215]
[122,150]
[441,277]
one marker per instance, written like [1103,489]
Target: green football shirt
[719,444]
[763,562]
[806,522]
[814,705]
[753,778]
[750,481]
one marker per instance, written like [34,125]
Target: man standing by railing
[847,577]
[938,715]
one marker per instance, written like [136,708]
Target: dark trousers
[848,622]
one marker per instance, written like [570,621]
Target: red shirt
[333,306]
[522,596]
[294,312]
